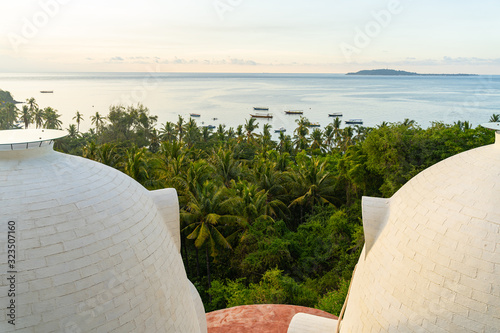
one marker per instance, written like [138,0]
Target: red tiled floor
[263,318]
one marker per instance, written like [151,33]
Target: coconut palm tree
[317,140]
[135,164]
[78,117]
[26,116]
[72,131]
[52,120]
[226,167]
[329,136]
[300,134]
[205,216]
[495,118]
[285,144]
[39,117]
[98,121]
[346,138]
[32,104]
[154,140]
[239,134]
[180,128]
[107,154]
[191,132]
[250,126]
[220,133]
[315,184]
[253,204]
[167,132]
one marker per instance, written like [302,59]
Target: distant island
[400,73]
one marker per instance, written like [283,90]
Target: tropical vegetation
[262,220]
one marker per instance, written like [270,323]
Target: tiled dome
[431,261]
[95,251]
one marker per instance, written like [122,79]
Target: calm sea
[229,98]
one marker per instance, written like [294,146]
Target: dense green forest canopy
[262,220]
[6,97]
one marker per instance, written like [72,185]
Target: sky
[250,36]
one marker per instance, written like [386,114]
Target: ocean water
[229,98]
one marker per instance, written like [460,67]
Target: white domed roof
[431,261]
[93,250]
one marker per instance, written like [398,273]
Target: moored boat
[294,112]
[260,108]
[354,122]
[280,130]
[261,115]
[335,114]
[313,125]
[194,115]
[46,91]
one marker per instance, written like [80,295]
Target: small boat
[47,91]
[336,114]
[280,130]
[313,125]
[259,108]
[194,115]
[261,115]
[354,122]
[294,112]
[209,126]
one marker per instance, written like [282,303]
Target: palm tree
[361,133]
[315,184]
[250,126]
[179,127]
[253,204]
[167,132]
[98,121]
[106,154]
[409,123]
[346,138]
[317,140]
[135,164]
[329,136]
[300,134]
[337,132]
[154,141]
[72,131]
[78,117]
[285,144]
[239,134]
[205,215]
[39,117]
[226,167]
[495,118]
[90,151]
[221,133]
[32,104]
[191,132]
[52,120]
[26,116]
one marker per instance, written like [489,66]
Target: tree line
[262,220]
